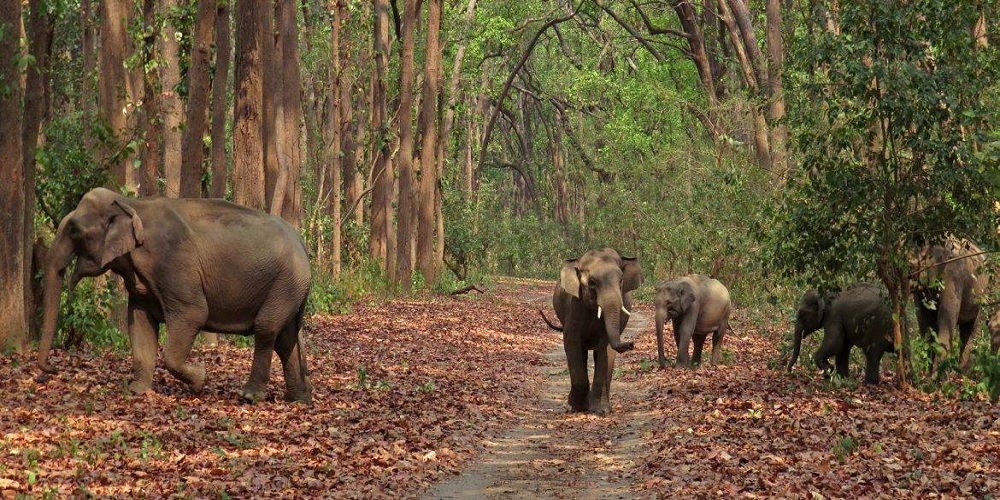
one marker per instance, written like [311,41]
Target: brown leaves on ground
[409,392]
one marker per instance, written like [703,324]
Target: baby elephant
[858,316]
[697,305]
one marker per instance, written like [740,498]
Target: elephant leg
[832,345]
[661,357]
[965,332]
[873,358]
[717,336]
[576,359]
[843,362]
[142,331]
[289,347]
[676,324]
[699,344]
[180,338]
[947,316]
[599,401]
[260,371]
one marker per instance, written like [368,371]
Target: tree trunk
[405,214]
[382,174]
[426,244]
[114,48]
[89,63]
[248,151]
[148,174]
[192,146]
[173,108]
[271,99]
[287,141]
[334,151]
[219,100]
[13,247]
[776,90]
[696,42]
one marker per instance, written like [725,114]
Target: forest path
[556,454]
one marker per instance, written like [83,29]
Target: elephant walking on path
[592,300]
[697,305]
[192,264]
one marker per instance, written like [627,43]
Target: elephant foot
[299,396]
[198,377]
[138,387]
[602,408]
[252,392]
[625,347]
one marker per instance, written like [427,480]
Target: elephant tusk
[626,312]
[598,312]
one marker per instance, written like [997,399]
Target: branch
[635,34]
[467,289]
[510,81]
[654,30]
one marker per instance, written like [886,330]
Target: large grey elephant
[592,299]
[698,306]
[860,315]
[950,280]
[191,264]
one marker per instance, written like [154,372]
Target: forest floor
[465,397]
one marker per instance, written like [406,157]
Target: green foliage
[85,314]
[67,169]
[844,446]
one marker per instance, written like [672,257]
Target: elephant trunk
[797,344]
[60,256]
[612,308]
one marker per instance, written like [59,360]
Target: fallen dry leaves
[407,393]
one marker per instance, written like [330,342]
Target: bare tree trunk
[696,42]
[286,200]
[219,101]
[270,55]
[193,149]
[248,154]
[89,63]
[146,182]
[173,108]
[13,247]
[382,171]
[334,158]
[405,214]
[114,48]
[426,244]
[776,90]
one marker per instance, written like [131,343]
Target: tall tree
[333,171]
[114,49]
[271,77]
[147,177]
[287,200]
[248,151]
[405,214]
[173,107]
[199,73]
[382,176]
[13,247]
[427,253]
[223,54]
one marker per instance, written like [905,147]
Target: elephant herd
[196,264]
[593,296]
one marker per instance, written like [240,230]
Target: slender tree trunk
[219,100]
[248,154]
[289,150]
[334,151]
[13,247]
[426,244]
[199,83]
[114,48]
[405,215]
[696,42]
[173,107]
[89,63]
[776,90]
[146,182]
[382,171]
[270,57]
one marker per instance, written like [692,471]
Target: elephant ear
[685,295]
[632,278]
[569,278]
[124,234]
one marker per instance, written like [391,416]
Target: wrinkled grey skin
[946,294]
[697,306]
[191,264]
[605,279]
[858,316]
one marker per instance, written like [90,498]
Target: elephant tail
[547,322]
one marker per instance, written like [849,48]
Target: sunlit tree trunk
[427,252]
[382,176]
[334,158]
[286,195]
[219,100]
[13,247]
[405,214]
[114,48]
[272,80]
[199,83]
[173,107]
[248,151]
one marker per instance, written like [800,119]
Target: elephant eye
[592,282]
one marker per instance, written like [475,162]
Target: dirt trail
[557,454]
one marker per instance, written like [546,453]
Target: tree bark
[114,48]
[199,83]
[271,77]
[696,42]
[405,214]
[173,107]
[287,195]
[89,63]
[776,90]
[146,182]
[219,99]
[334,150]
[248,154]
[427,252]
[382,176]
[13,217]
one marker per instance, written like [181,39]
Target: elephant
[697,305]
[859,315]
[191,264]
[950,281]
[592,300]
